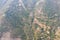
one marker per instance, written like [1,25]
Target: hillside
[30,19]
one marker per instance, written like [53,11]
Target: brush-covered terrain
[30,20]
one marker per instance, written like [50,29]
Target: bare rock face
[7,36]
